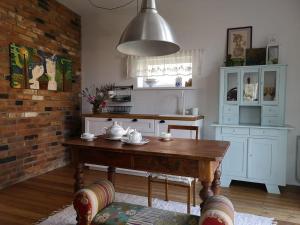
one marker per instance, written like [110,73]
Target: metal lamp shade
[148,34]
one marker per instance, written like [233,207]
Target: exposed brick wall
[34,123]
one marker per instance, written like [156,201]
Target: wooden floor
[29,201]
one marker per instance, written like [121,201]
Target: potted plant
[43,82]
[98,97]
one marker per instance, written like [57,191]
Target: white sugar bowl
[135,137]
[87,136]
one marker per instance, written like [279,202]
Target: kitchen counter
[147,116]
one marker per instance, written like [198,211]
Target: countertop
[147,116]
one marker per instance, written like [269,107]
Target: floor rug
[67,216]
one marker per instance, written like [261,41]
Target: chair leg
[149,191]
[166,190]
[194,192]
[189,200]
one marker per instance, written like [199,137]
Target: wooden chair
[185,182]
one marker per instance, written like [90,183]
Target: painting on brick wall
[35,69]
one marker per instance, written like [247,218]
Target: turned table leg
[111,174]
[216,182]
[205,192]
[78,177]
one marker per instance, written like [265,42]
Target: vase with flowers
[98,97]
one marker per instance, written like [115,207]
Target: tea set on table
[128,136]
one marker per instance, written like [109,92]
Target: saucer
[113,138]
[143,142]
[87,139]
[166,139]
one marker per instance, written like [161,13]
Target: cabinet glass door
[270,84]
[232,86]
[250,87]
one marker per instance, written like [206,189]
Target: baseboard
[118,170]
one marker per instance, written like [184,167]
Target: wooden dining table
[183,157]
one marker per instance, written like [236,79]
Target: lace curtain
[183,63]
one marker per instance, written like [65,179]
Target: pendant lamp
[148,34]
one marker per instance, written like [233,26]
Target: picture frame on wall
[255,56]
[238,40]
[272,54]
[35,69]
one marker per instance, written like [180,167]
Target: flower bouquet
[98,97]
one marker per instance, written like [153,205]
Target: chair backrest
[184,127]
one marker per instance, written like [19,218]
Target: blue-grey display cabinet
[252,118]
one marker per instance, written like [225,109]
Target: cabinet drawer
[264,132]
[270,111]
[271,121]
[231,109]
[237,130]
[230,119]
[142,125]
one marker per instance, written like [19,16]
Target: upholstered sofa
[95,206]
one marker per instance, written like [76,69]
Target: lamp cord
[112,8]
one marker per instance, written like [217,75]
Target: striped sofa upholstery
[89,201]
[217,210]
[94,206]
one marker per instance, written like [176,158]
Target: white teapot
[135,137]
[116,131]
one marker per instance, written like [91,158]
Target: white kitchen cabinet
[97,125]
[148,127]
[162,126]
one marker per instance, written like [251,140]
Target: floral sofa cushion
[119,213]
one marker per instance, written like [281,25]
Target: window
[176,70]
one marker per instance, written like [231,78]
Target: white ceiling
[110,22]
[83,7]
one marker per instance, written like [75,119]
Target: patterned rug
[67,216]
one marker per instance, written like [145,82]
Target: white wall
[199,24]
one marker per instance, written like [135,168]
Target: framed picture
[238,40]
[272,54]
[35,69]
[255,56]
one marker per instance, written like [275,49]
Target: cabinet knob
[109,119]
[162,121]
[134,120]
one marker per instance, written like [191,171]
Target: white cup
[166,136]
[195,111]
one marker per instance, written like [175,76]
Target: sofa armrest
[217,210]
[89,201]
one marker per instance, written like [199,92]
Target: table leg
[111,174]
[78,177]
[216,183]
[205,192]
